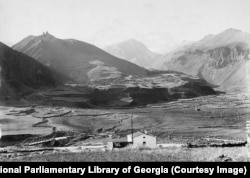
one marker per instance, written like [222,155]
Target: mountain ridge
[220,59]
[75,58]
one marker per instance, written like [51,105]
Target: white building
[142,140]
[139,140]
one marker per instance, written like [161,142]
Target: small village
[164,80]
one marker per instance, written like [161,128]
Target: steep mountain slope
[81,61]
[169,52]
[133,51]
[20,73]
[220,59]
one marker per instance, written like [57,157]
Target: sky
[103,22]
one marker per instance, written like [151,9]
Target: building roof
[137,134]
[119,140]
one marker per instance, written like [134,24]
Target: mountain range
[82,62]
[46,69]
[44,62]
[221,59]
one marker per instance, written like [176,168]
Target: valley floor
[197,121]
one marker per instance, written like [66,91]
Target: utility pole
[0,131]
[132,129]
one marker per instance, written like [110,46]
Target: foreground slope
[133,51]
[81,61]
[21,73]
[221,59]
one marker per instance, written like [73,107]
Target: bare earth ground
[183,121]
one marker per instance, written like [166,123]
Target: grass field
[157,155]
[218,117]
[20,125]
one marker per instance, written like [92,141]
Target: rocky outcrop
[220,59]
[224,56]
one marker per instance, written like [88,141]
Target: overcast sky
[106,21]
